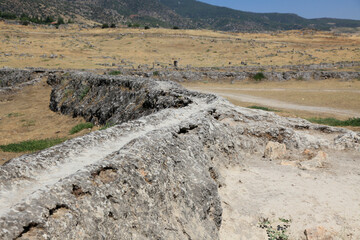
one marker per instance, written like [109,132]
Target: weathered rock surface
[12,80]
[156,177]
[17,78]
[104,99]
[275,150]
[239,73]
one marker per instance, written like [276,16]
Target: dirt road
[246,98]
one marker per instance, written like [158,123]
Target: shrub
[84,92]
[259,76]
[113,25]
[105,25]
[60,21]
[175,27]
[156,73]
[31,145]
[49,19]
[107,125]
[355,122]
[115,73]
[7,15]
[80,127]
[146,27]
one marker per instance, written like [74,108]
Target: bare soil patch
[328,98]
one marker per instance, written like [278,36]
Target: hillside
[168,13]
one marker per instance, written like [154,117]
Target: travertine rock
[318,233]
[154,177]
[275,150]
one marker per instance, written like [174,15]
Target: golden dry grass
[88,48]
[26,115]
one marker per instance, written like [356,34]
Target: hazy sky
[349,9]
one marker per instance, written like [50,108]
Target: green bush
[84,92]
[259,76]
[49,19]
[115,73]
[156,73]
[107,125]
[105,25]
[113,25]
[146,27]
[60,21]
[355,122]
[31,145]
[7,15]
[81,126]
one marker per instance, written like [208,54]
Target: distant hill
[167,13]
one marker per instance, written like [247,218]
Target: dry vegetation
[75,47]
[26,115]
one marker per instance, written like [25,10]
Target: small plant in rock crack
[106,126]
[84,92]
[278,232]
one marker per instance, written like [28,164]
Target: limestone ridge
[106,99]
[151,178]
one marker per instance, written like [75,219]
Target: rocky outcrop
[156,177]
[105,99]
[14,79]
[181,76]
[240,73]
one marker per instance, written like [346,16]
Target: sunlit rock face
[155,175]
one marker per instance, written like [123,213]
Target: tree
[60,21]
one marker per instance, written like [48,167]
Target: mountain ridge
[169,13]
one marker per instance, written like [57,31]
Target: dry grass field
[26,115]
[78,48]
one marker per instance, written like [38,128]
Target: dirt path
[93,152]
[286,89]
[327,198]
[276,103]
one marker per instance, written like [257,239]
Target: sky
[348,9]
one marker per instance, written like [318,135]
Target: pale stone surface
[318,233]
[275,150]
[318,161]
[191,171]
